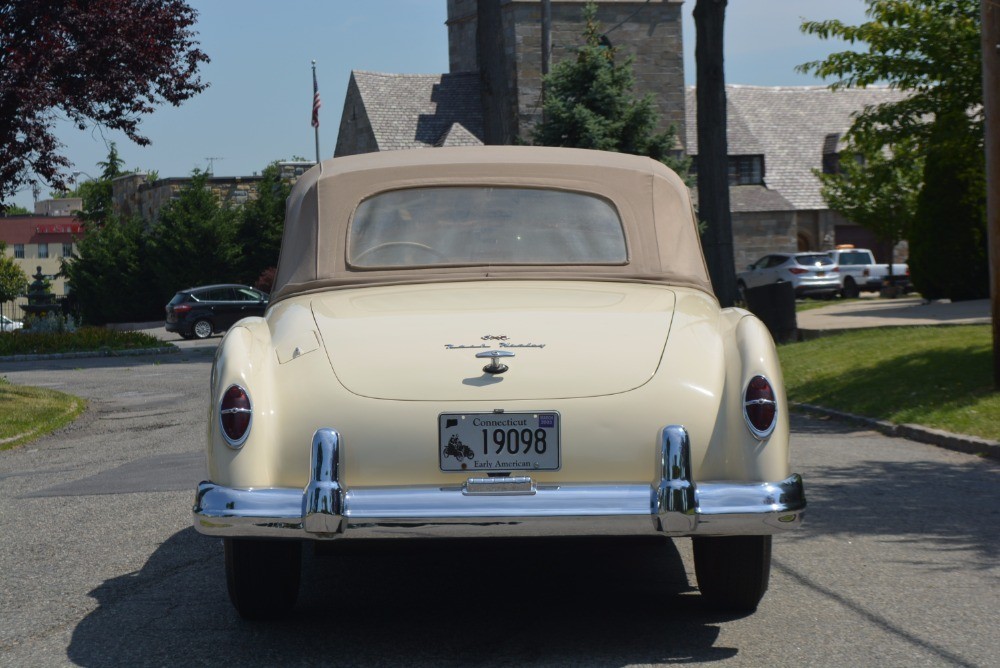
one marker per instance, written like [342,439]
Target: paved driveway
[896,565]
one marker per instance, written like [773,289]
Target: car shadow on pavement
[426,602]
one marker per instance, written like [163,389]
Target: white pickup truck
[859,271]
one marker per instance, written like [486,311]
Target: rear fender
[734,453]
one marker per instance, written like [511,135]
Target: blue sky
[257,108]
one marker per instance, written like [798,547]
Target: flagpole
[315,112]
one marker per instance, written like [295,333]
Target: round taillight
[235,414]
[760,407]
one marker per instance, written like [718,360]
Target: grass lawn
[809,304]
[29,412]
[933,376]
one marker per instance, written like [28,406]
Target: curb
[134,352]
[972,445]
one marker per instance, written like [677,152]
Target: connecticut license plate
[499,441]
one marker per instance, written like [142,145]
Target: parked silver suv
[809,273]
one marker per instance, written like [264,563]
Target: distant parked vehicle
[809,273]
[203,311]
[8,325]
[859,271]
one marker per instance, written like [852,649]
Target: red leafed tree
[100,62]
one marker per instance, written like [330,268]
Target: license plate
[499,441]
[821,274]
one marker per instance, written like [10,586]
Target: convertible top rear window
[479,225]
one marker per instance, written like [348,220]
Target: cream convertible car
[495,341]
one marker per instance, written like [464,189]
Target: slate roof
[791,127]
[421,110]
[458,135]
[748,199]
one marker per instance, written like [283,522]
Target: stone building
[136,195]
[502,40]
[778,136]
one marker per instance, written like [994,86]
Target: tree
[261,224]
[713,160]
[589,104]
[13,281]
[948,251]
[16,210]
[878,190]
[102,62]
[106,274]
[193,241]
[97,196]
[928,48]
[931,50]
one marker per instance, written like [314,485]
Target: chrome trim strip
[673,505]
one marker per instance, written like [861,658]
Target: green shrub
[84,339]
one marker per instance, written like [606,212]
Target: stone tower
[502,40]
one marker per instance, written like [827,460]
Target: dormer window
[744,170]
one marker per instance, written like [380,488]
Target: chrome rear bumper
[673,504]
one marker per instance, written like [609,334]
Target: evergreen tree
[107,274]
[948,246]
[108,277]
[193,241]
[589,104]
[261,224]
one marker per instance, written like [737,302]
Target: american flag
[317,103]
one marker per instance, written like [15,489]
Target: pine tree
[589,104]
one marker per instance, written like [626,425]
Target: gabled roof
[458,135]
[791,127]
[421,110]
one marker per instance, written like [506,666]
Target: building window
[43,251]
[67,250]
[744,170]
[19,251]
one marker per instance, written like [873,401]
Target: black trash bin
[774,304]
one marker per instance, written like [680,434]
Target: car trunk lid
[419,342]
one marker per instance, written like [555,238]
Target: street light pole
[991,103]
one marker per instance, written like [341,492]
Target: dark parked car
[202,311]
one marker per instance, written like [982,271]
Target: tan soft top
[655,209]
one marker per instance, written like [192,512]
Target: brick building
[40,241]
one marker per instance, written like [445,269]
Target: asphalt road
[897,564]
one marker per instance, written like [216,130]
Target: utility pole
[991,103]
[713,159]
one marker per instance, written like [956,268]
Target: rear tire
[733,571]
[262,576]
